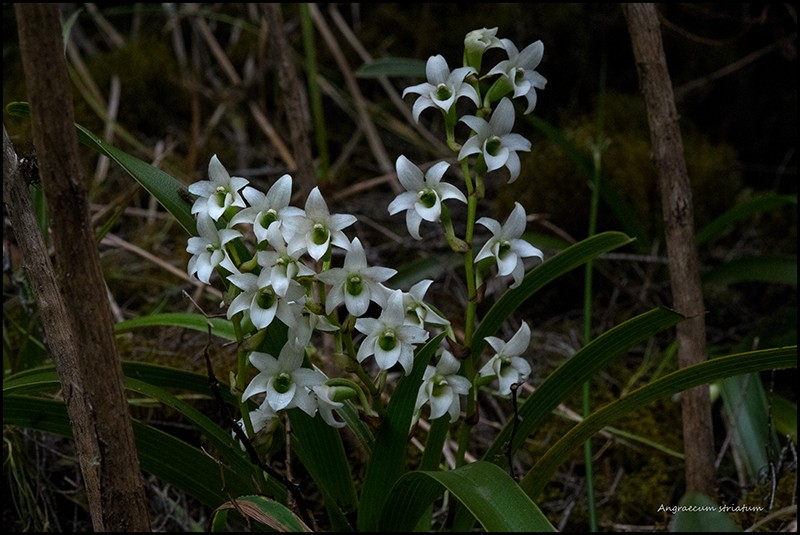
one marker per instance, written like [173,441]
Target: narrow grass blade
[392,67]
[774,270]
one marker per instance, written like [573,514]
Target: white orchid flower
[216,195]
[442,386]
[355,284]
[269,209]
[506,245]
[208,248]
[424,194]
[389,337]
[506,365]
[317,227]
[283,380]
[495,141]
[520,70]
[443,87]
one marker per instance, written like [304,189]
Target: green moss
[152,97]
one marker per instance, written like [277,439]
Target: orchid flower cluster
[289,273]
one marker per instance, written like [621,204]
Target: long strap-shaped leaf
[172,194]
[321,451]
[565,261]
[219,326]
[45,378]
[261,509]
[166,457]
[699,374]
[387,463]
[568,377]
[489,493]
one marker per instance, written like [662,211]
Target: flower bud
[476,43]
[341,393]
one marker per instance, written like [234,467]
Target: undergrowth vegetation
[175,84]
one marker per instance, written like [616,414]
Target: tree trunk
[72,297]
[678,213]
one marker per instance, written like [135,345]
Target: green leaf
[151,381]
[743,210]
[746,414]
[489,493]
[571,375]
[697,513]
[219,326]
[319,447]
[171,193]
[166,457]
[393,68]
[784,414]
[263,510]
[775,270]
[388,459]
[534,280]
[699,374]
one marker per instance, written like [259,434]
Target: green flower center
[493,145]
[268,217]
[427,197]
[210,248]
[319,234]
[503,247]
[266,298]
[518,74]
[282,382]
[443,92]
[355,285]
[439,384]
[220,196]
[388,340]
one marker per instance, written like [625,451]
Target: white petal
[437,70]
[261,317]
[403,201]
[502,120]
[356,304]
[387,359]
[280,400]
[409,174]
[519,342]
[431,214]
[441,403]
[256,386]
[507,263]
[413,220]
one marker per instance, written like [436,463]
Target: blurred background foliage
[174,84]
